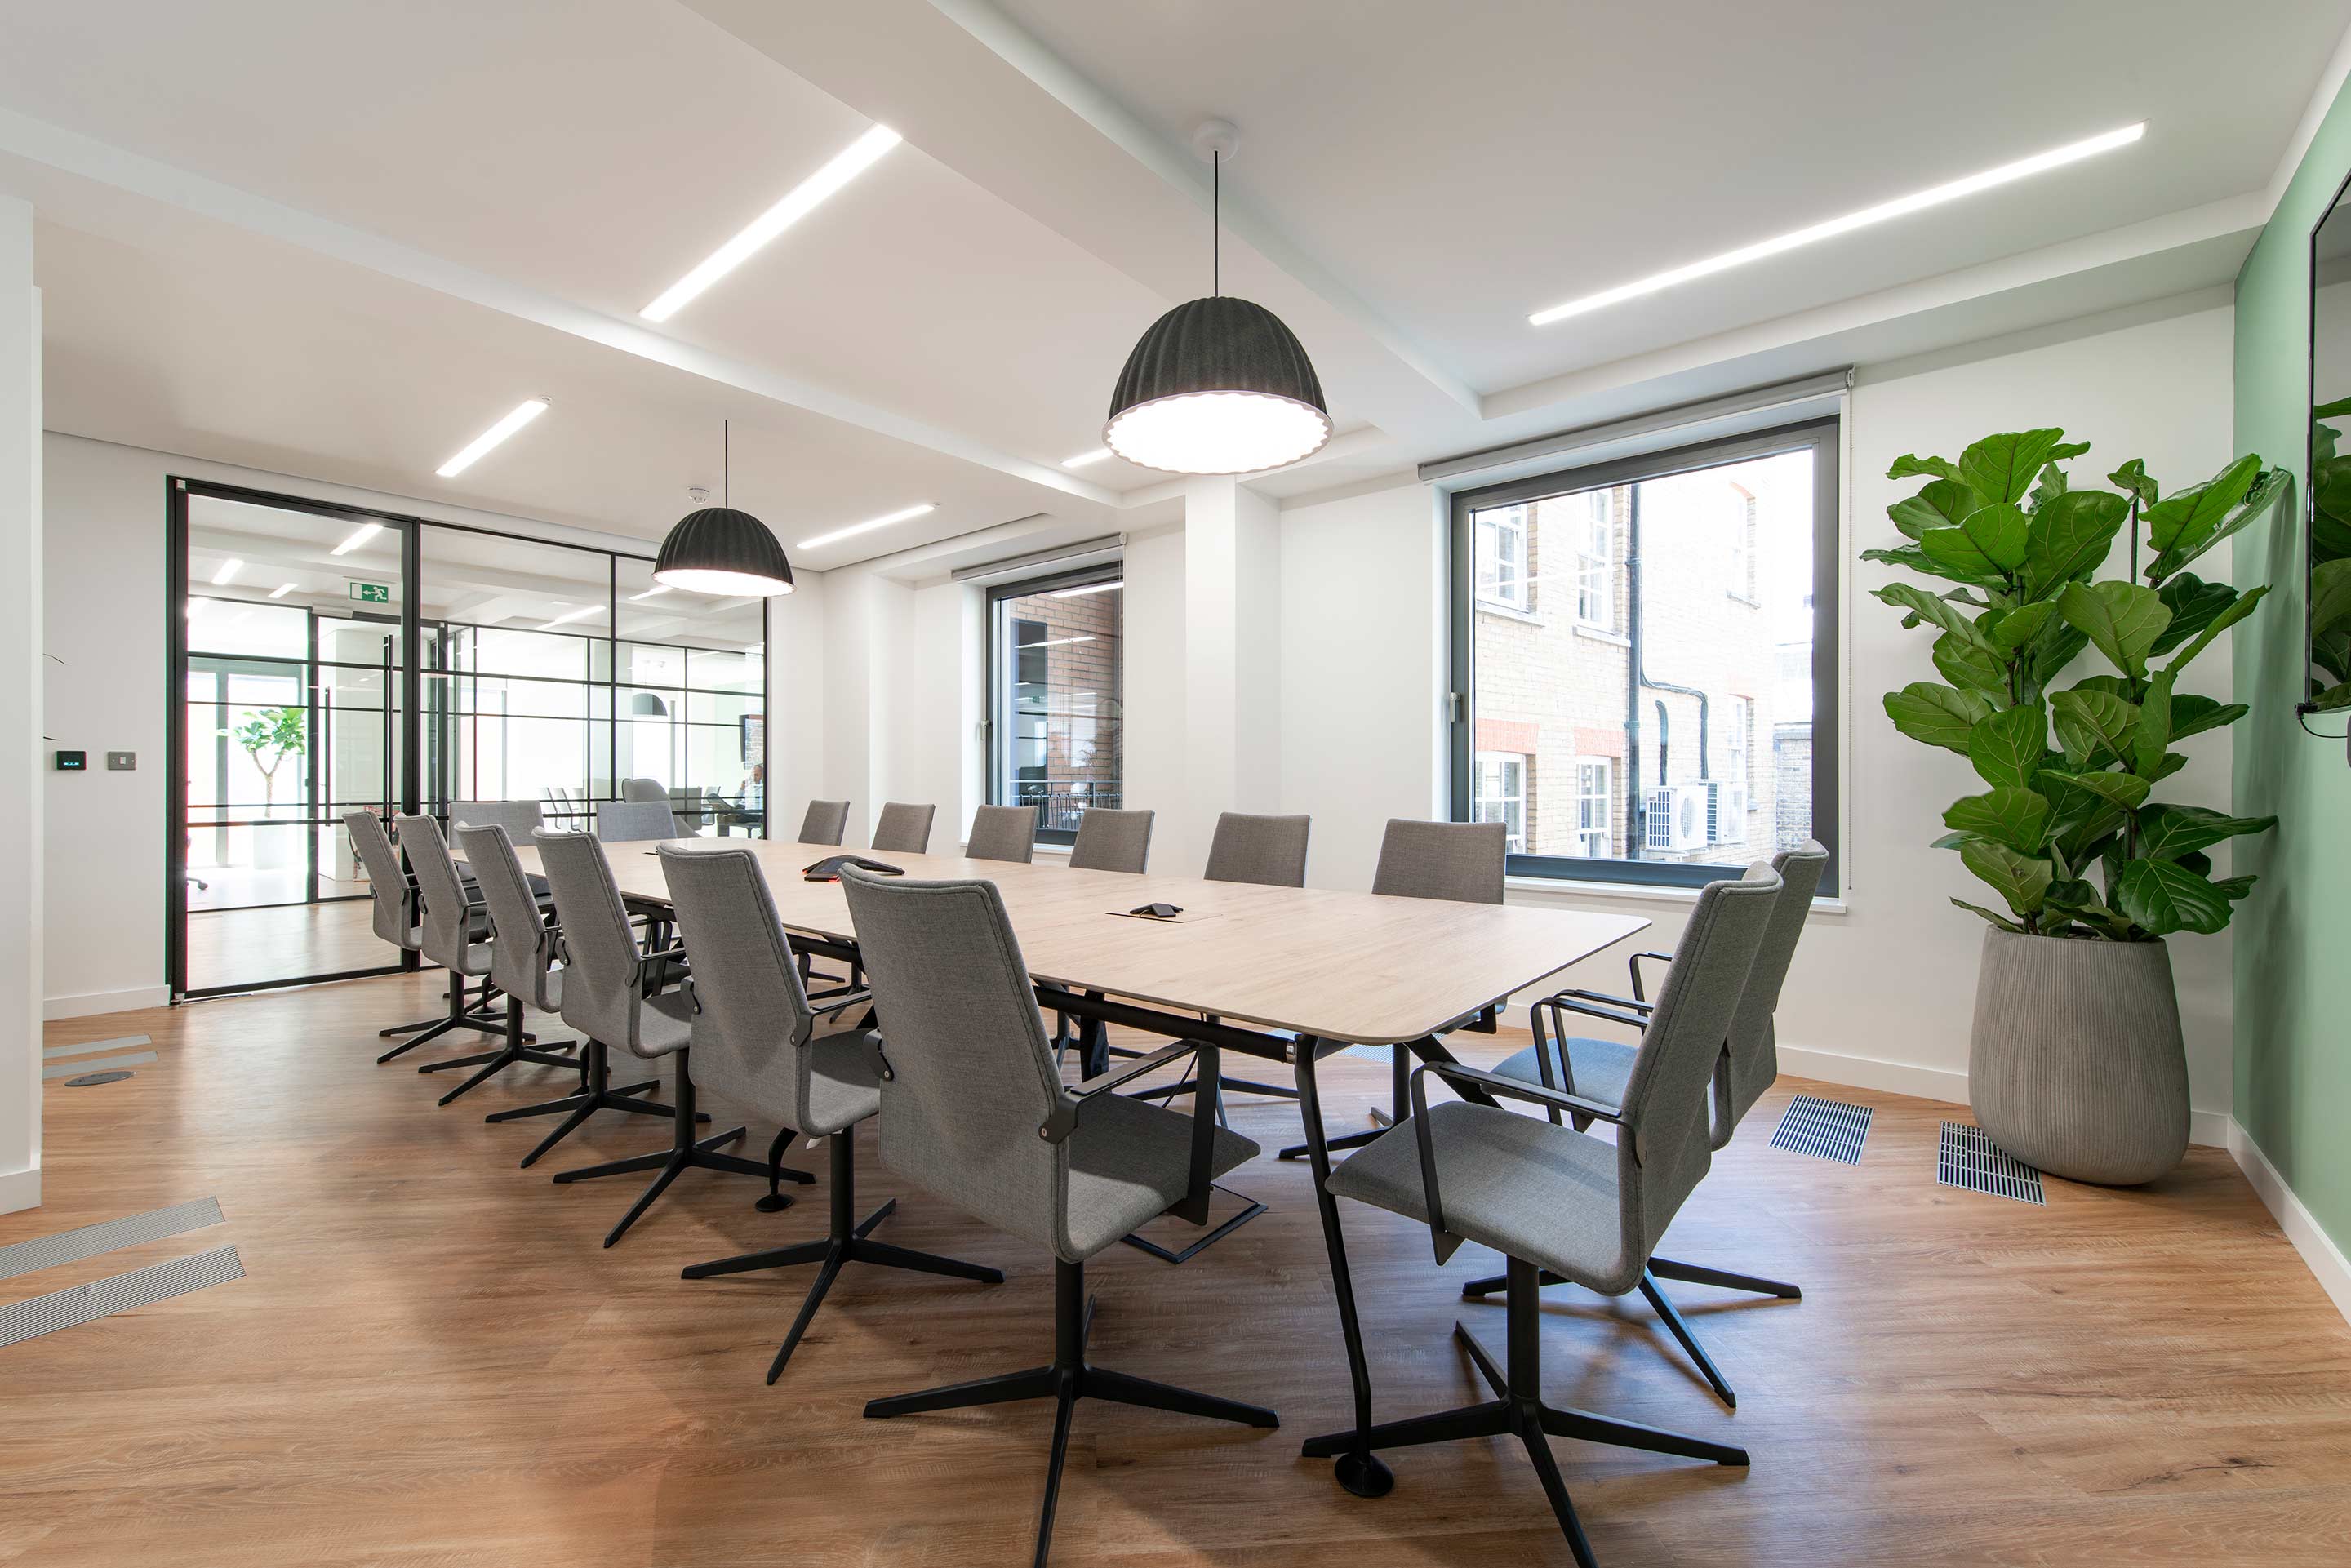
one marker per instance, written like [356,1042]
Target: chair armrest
[1566,1002]
[870,1041]
[1631,1004]
[1633,964]
[1064,1119]
[1443,1241]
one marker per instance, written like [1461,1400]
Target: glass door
[290,673]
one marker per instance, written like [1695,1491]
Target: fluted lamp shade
[719,550]
[1217,386]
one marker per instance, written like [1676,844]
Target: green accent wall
[2292,982]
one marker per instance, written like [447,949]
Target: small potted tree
[2077,1065]
[269,736]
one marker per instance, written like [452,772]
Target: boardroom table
[1287,975]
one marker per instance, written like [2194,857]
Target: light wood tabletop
[1353,966]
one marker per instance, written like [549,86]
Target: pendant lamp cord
[1216,223]
[726,462]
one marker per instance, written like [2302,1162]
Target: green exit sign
[372,593]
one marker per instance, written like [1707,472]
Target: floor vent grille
[1829,1128]
[21,1321]
[1969,1159]
[89,1240]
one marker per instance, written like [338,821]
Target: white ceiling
[513,181]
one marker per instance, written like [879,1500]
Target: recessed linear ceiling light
[1082,458]
[1110,587]
[803,199]
[569,616]
[531,408]
[281,590]
[867,526]
[1051,643]
[360,536]
[655,591]
[1901,206]
[228,568]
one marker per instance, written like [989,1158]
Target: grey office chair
[825,822]
[1549,1197]
[756,1041]
[1748,1066]
[1002,833]
[527,963]
[972,1110]
[1461,861]
[643,790]
[903,828]
[393,913]
[454,926]
[635,821]
[612,992]
[1112,841]
[521,819]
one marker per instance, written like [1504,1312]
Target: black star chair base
[396,916]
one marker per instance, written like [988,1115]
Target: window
[1502,557]
[1502,795]
[1056,715]
[1700,732]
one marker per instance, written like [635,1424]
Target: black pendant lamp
[1218,385]
[717,550]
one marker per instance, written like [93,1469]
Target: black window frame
[1822,435]
[992,779]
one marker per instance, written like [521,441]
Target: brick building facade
[1068,715]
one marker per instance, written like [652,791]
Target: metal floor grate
[1829,1128]
[89,1240]
[1969,1159]
[21,1321]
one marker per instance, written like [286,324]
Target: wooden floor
[282,942]
[432,1362]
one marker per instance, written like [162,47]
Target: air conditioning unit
[1726,812]
[1678,818]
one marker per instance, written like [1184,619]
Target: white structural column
[21,678]
[1232,657]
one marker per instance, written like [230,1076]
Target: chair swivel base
[847,1243]
[686,1153]
[596,1093]
[1689,1273]
[464,1012]
[1518,1410]
[1066,1381]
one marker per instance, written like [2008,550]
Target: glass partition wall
[542,672]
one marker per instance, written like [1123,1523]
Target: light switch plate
[121,761]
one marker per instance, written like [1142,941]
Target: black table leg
[1360,1471]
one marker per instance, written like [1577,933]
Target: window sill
[1602,634]
[1564,889]
[1508,611]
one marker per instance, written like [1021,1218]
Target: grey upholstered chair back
[600,971]
[751,1020]
[903,828]
[1112,841]
[826,823]
[521,819]
[1003,833]
[1751,1054]
[391,914]
[1666,1098]
[1266,850]
[642,789]
[522,948]
[445,916]
[1459,861]
[635,821]
[972,1079]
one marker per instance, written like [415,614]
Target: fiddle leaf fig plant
[2067,831]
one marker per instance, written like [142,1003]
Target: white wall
[23,751]
[103,585]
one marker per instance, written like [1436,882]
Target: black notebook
[828,868]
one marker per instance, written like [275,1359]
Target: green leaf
[1958,555]
[2234,888]
[2023,880]
[2193,603]
[1944,504]
[2051,484]
[2154,726]
[2330,596]
[2000,533]
[2173,763]
[1910,557]
[2082,901]
[2070,537]
[2121,618]
[2090,724]
[2008,748]
[2000,467]
[2218,624]
[2017,818]
[1965,662]
[2132,479]
[2009,629]
[2191,513]
[2168,832]
[1908,466]
[2058,645]
[2002,921]
[1925,606]
[2127,790]
[2192,715]
[1938,715]
[2268,488]
[2162,898]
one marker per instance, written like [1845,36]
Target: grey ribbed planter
[2077,1067]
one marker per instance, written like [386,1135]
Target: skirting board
[20,1189]
[1942,1083]
[95,1002]
[2318,1249]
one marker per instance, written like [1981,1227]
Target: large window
[1056,712]
[1660,707]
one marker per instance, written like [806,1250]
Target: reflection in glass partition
[2330,459]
